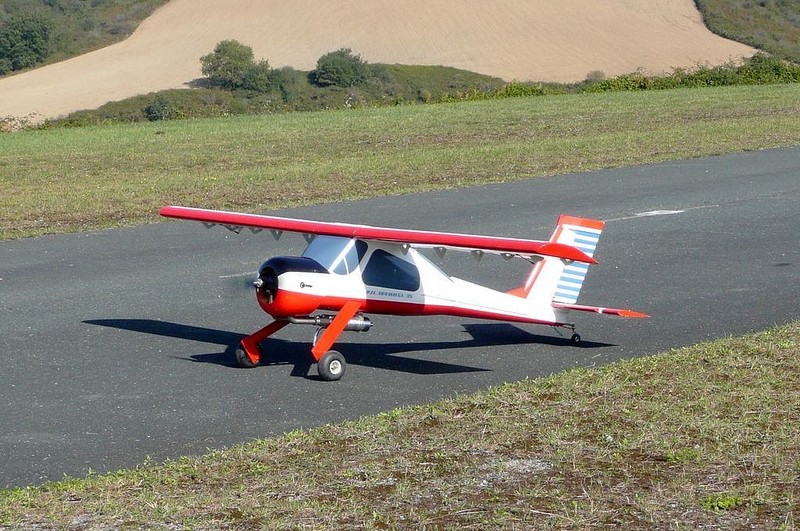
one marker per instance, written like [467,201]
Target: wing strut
[248,348]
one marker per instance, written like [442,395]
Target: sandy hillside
[542,40]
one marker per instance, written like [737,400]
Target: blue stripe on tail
[573,275]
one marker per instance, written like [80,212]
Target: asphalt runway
[116,345]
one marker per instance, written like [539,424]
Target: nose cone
[267,283]
[281,293]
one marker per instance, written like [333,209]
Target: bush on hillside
[341,68]
[232,66]
[292,84]
[164,105]
[80,26]
[761,69]
[24,41]
[258,78]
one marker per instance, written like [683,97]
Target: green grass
[62,180]
[633,445]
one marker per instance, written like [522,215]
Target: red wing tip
[170,210]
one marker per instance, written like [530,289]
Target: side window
[348,263]
[388,271]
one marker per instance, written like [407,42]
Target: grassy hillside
[699,438]
[771,25]
[290,90]
[83,25]
[62,180]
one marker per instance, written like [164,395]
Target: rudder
[557,280]
[581,233]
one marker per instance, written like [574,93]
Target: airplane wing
[414,238]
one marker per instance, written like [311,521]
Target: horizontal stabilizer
[599,309]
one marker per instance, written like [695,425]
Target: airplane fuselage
[384,278]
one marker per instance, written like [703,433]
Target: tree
[24,41]
[232,66]
[341,68]
[227,64]
[258,77]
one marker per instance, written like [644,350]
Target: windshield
[337,255]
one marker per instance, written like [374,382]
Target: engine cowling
[274,298]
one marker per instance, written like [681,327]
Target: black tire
[242,359]
[575,339]
[331,366]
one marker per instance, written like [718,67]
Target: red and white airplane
[352,270]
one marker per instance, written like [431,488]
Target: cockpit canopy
[383,269]
[335,254]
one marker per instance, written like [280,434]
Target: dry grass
[63,180]
[702,437]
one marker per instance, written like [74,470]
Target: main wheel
[331,366]
[243,359]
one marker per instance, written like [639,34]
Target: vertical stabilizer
[558,280]
[583,234]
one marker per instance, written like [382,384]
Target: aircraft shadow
[377,355]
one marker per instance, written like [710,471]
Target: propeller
[267,282]
[239,284]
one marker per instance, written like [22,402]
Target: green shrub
[162,108]
[227,66]
[78,26]
[292,84]
[257,77]
[287,89]
[165,105]
[24,41]
[625,82]
[760,69]
[232,66]
[516,89]
[341,68]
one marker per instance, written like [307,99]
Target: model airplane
[352,270]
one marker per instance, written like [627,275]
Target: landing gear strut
[575,338]
[248,355]
[330,363]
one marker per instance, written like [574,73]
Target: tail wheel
[243,359]
[575,339]
[331,366]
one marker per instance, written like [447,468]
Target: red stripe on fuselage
[293,304]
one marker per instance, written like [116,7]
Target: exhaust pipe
[358,323]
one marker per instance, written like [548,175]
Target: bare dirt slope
[541,40]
